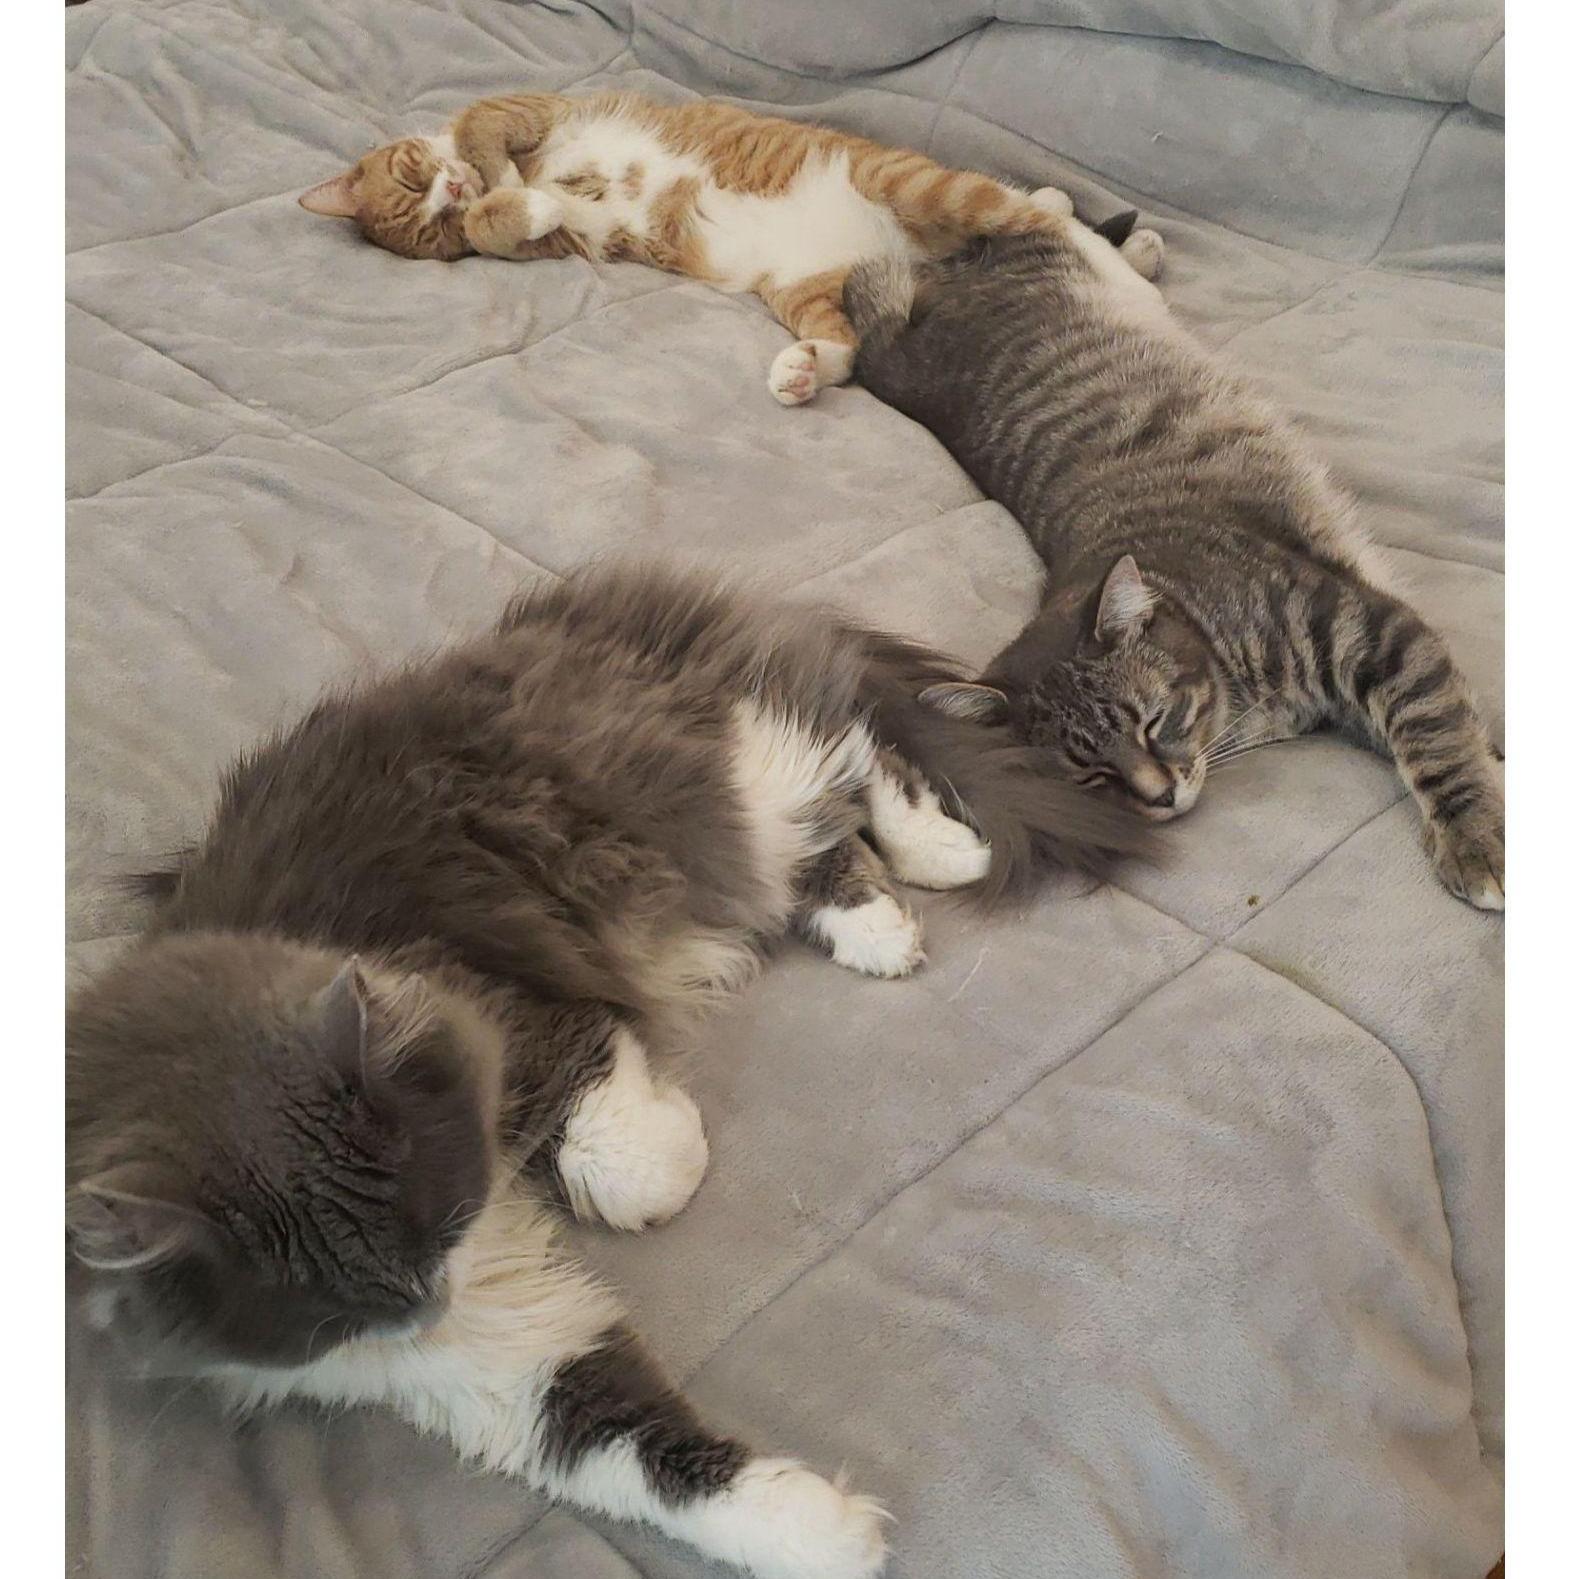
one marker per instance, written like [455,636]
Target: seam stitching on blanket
[986,1032]
[1431,1145]
[1215,948]
[1414,170]
[1227,939]
[311,437]
[158,466]
[521,347]
[975,36]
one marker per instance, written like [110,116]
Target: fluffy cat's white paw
[921,843]
[543,212]
[800,370]
[1055,201]
[634,1150]
[781,1521]
[1143,251]
[878,938]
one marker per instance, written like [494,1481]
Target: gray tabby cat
[1208,589]
[441,931]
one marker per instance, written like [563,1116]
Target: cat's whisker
[1238,718]
[1219,758]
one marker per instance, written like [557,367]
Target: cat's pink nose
[456,189]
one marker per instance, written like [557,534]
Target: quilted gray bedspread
[1154,1231]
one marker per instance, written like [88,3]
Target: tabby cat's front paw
[1054,200]
[1468,857]
[1142,251]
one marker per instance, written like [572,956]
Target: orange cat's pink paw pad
[800,370]
[792,379]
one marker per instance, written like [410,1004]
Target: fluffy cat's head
[409,198]
[270,1150]
[1133,709]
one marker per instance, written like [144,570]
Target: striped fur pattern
[1208,589]
[451,927]
[745,202]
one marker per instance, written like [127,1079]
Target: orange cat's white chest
[819,222]
[607,175]
[611,174]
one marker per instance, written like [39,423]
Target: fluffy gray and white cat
[444,930]
[1208,588]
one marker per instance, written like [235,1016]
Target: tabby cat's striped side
[1208,589]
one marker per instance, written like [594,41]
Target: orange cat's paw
[800,370]
[509,218]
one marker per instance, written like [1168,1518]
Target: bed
[1153,1230]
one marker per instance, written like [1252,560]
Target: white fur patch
[784,774]
[921,843]
[544,212]
[778,1520]
[610,146]
[518,1310]
[1137,301]
[879,938]
[1054,200]
[1142,251]
[633,1151]
[439,197]
[800,370]
[819,222]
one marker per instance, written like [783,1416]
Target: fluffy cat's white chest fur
[819,222]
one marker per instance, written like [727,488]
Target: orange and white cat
[745,202]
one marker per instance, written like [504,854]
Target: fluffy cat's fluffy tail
[1035,820]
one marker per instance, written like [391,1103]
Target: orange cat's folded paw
[510,218]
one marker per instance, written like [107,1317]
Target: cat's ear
[374,1033]
[980,704]
[336,197]
[338,1018]
[131,1217]
[1126,603]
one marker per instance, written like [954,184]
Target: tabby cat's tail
[878,297]
[1035,820]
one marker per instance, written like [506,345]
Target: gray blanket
[1155,1231]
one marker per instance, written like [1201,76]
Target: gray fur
[1072,399]
[408,944]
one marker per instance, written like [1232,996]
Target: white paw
[781,1521]
[921,843]
[544,212]
[800,370]
[879,938]
[634,1150]
[1054,201]
[1143,250]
